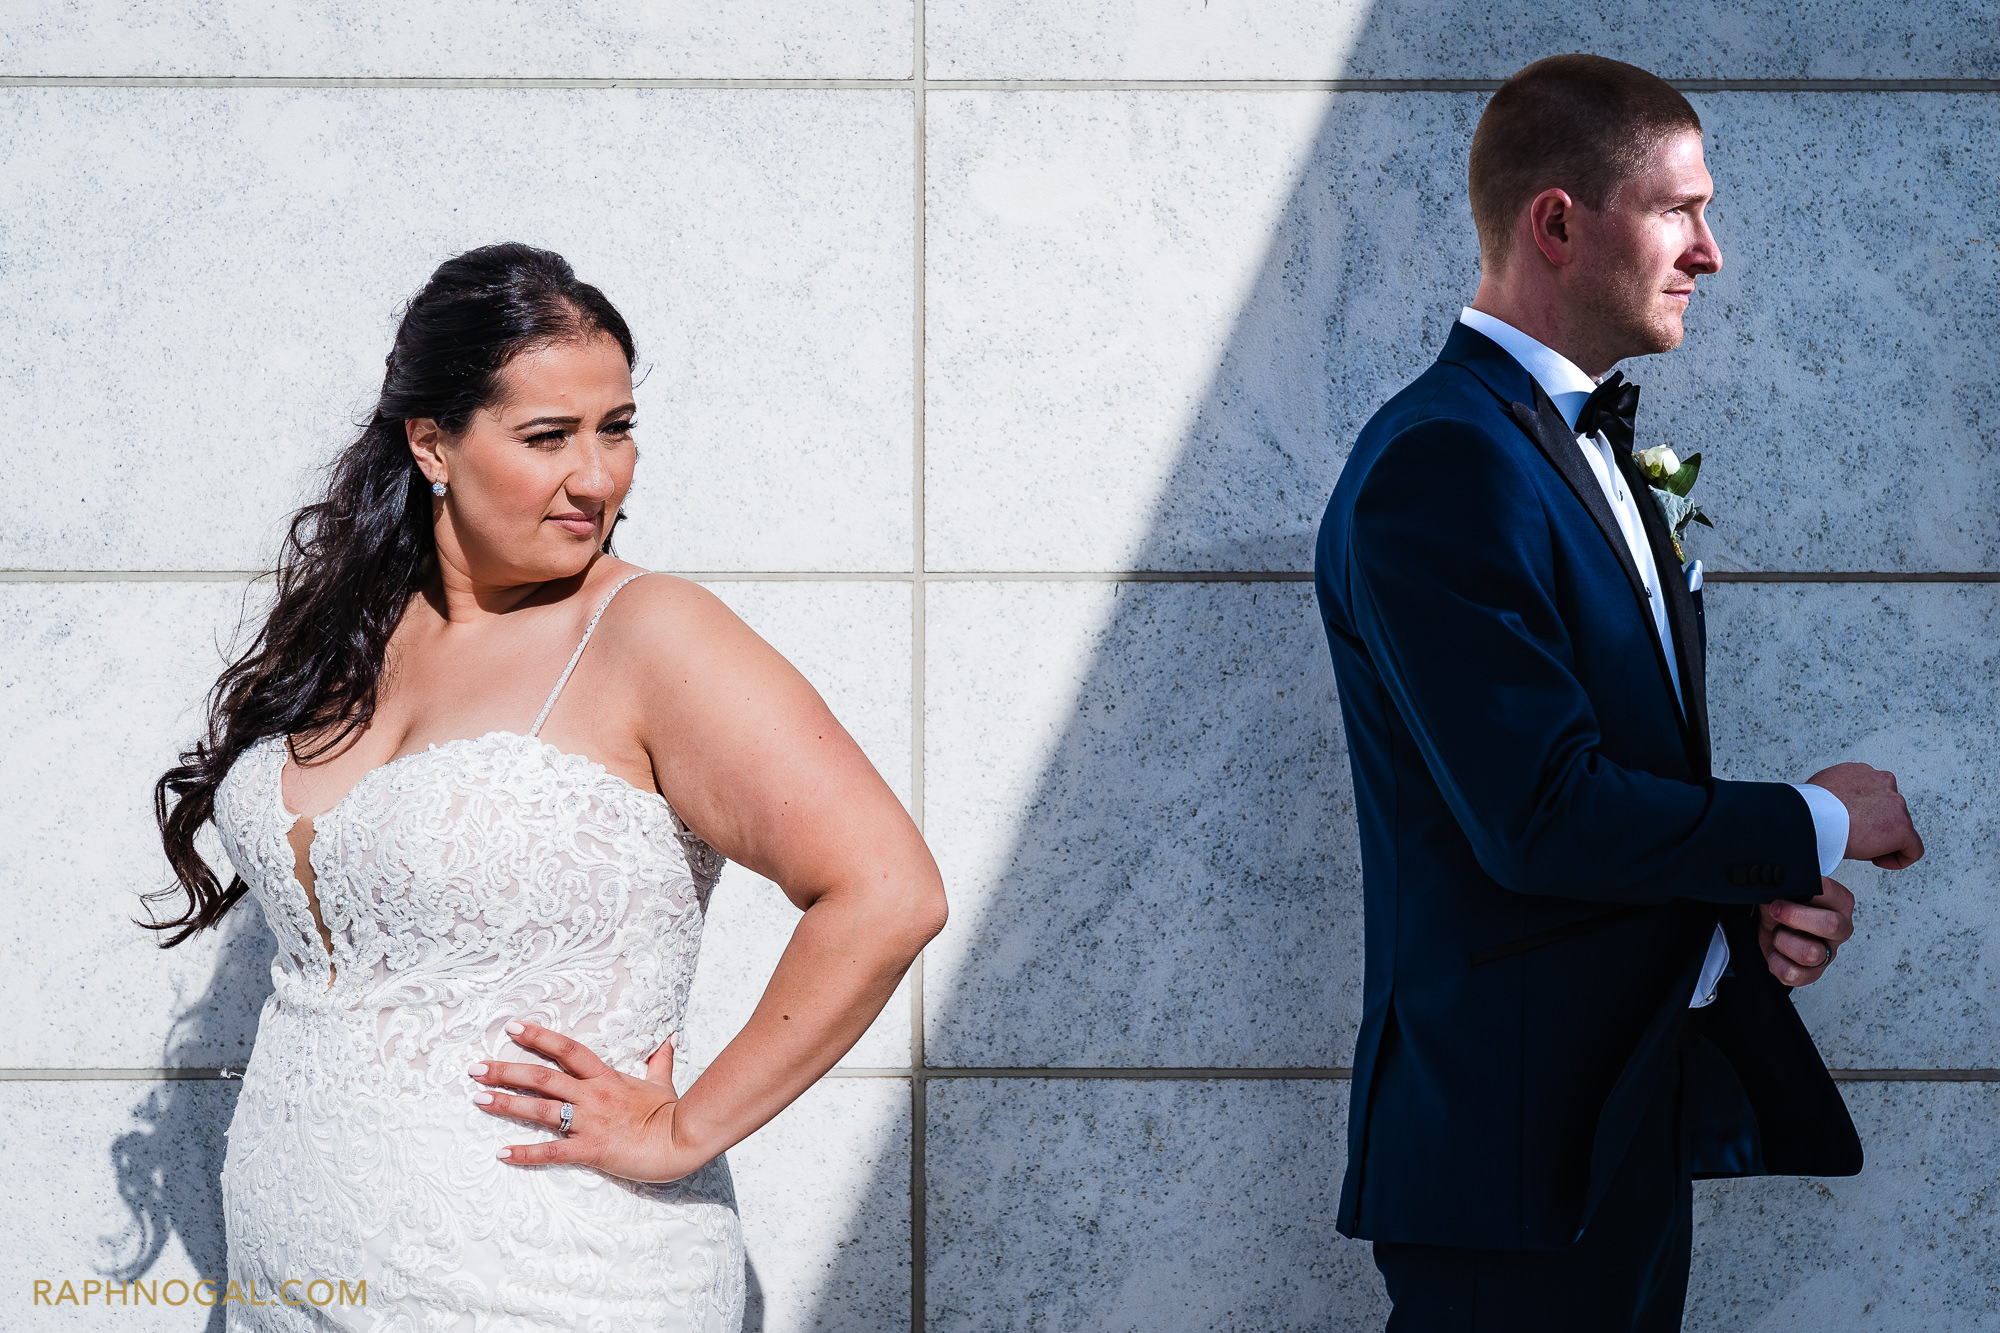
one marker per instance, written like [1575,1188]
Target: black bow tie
[1611,408]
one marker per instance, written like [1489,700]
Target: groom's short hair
[1580,123]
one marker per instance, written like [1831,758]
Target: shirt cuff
[1712,968]
[1829,819]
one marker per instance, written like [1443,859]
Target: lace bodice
[465,886]
[470,884]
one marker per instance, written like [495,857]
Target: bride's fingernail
[477,1070]
[516,1027]
[504,1152]
[482,1097]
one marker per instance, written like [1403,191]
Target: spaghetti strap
[574,657]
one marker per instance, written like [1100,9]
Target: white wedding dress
[465,886]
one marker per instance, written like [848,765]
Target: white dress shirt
[1567,387]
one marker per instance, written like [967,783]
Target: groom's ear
[1551,218]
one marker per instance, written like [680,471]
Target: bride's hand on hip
[619,1124]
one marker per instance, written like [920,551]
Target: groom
[1580,943]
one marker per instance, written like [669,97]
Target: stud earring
[437,488]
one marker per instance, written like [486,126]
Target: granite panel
[750,921]
[1141,1205]
[824,1193]
[1454,39]
[112,1179]
[101,684]
[202,283]
[100,687]
[1142,806]
[1166,1203]
[484,39]
[107,1181]
[852,641]
[1155,321]
[1911,1245]
[1836,376]
[1905,677]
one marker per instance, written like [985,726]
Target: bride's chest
[469,849]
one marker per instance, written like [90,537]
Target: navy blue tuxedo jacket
[1545,853]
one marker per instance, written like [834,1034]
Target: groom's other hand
[1878,819]
[1800,939]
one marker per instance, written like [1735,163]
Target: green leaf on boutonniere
[1668,480]
[1682,481]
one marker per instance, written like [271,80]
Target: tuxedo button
[1739,875]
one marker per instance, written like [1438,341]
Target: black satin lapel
[1681,620]
[1552,435]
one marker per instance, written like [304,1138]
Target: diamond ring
[567,1112]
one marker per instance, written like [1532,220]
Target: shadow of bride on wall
[168,1166]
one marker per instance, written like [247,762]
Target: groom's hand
[1878,819]
[1800,939]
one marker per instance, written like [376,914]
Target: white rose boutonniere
[1670,478]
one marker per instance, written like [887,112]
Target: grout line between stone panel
[1451,85]
[921,575]
[430,82]
[922,1075]
[129,575]
[919,565]
[1851,576]
[961,85]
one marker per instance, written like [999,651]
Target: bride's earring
[437,488]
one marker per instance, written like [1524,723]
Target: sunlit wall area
[997,361]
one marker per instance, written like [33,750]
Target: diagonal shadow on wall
[1183,889]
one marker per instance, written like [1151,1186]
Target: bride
[481,776]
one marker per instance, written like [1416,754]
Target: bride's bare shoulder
[665,621]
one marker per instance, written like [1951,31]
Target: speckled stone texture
[1153,320]
[1838,373]
[852,641]
[202,284]
[100,686]
[1454,39]
[481,39]
[76,777]
[1906,677]
[109,1179]
[114,1177]
[824,1194]
[1148,348]
[1121,1205]
[1142,807]
[1911,1245]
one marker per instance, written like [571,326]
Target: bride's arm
[754,762]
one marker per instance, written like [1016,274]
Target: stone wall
[1000,359]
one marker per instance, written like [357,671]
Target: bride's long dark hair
[351,563]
